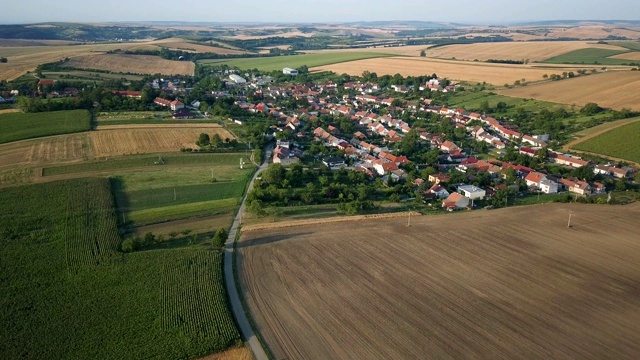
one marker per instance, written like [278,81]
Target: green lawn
[68,293]
[184,211]
[19,126]
[591,56]
[294,61]
[621,142]
[472,101]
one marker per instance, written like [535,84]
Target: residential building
[472,192]
[290,71]
[455,201]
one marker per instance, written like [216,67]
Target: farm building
[290,71]
[237,79]
[176,105]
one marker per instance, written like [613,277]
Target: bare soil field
[497,74]
[141,139]
[534,51]
[47,150]
[614,89]
[635,55]
[139,64]
[504,284]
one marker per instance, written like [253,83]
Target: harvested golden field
[47,150]
[635,55]
[139,64]
[184,45]
[504,284]
[533,50]
[141,139]
[497,74]
[243,353]
[614,89]
[413,50]
[29,42]
[591,32]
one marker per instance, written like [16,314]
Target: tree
[203,140]
[583,173]
[423,53]
[3,60]
[545,76]
[591,109]
[219,238]
[216,140]
[274,174]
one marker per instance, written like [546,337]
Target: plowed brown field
[502,284]
[614,89]
[140,139]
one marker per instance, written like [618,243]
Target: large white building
[237,79]
[290,71]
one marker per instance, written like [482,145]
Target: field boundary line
[304,222]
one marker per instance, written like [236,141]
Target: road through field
[232,289]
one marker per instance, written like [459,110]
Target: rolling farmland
[138,64]
[620,142]
[614,89]
[67,288]
[19,126]
[515,283]
[139,139]
[591,56]
[47,150]
[534,51]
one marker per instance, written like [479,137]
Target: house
[44,84]
[567,160]
[182,114]
[333,161]
[439,178]
[162,102]
[576,186]
[449,147]
[541,182]
[527,151]
[290,71]
[472,192]
[239,80]
[455,201]
[283,156]
[438,191]
[382,167]
[176,105]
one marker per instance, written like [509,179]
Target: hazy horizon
[327,11]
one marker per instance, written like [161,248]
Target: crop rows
[90,231]
[19,126]
[194,300]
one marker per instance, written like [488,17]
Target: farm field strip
[22,126]
[497,74]
[510,283]
[620,142]
[615,89]
[590,56]
[46,150]
[119,141]
[138,64]
[294,61]
[160,126]
[534,51]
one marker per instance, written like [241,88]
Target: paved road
[232,289]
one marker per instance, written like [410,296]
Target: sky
[293,11]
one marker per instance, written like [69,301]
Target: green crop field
[472,101]
[179,195]
[19,126]
[294,61]
[68,293]
[136,161]
[620,142]
[591,56]
[631,45]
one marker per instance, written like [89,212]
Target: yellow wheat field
[47,150]
[139,64]
[627,56]
[497,74]
[614,89]
[534,50]
[114,141]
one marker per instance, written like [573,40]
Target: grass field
[87,76]
[69,293]
[620,142]
[294,61]
[137,64]
[614,89]
[534,51]
[591,56]
[513,283]
[472,100]
[497,74]
[19,126]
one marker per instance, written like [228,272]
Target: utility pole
[409,221]
[174,194]
[569,223]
